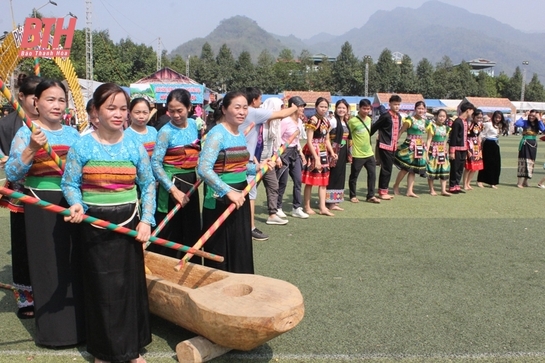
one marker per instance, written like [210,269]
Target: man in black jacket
[388,126]
[458,146]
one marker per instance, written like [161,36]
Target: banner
[42,37]
[158,92]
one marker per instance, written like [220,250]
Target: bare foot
[493,187]
[138,360]
[433,193]
[520,186]
[386,197]
[468,187]
[396,190]
[445,194]
[310,211]
[480,185]
[326,212]
[412,195]
[336,207]
[354,200]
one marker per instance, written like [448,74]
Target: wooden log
[238,311]
[198,349]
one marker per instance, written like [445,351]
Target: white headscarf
[271,130]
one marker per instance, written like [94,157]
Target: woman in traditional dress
[339,137]
[438,165]
[52,251]
[100,176]
[410,157]
[528,147]
[316,150]
[139,111]
[9,125]
[174,161]
[223,166]
[474,160]
[490,174]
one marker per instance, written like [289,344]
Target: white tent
[527,106]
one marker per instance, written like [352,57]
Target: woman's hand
[179,196]
[237,198]
[3,161]
[318,165]
[144,232]
[37,140]
[76,214]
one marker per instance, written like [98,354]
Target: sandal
[374,200]
[26,312]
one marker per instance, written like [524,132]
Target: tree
[176,63]
[502,83]
[387,72]
[486,85]
[347,74]
[407,77]
[513,88]
[287,71]
[245,75]
[534,90]
[440,78]
[322,77]
[265,73]
[306,67]
[226,67]
[424,78]
[206,69]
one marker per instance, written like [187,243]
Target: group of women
[88,282]
[430,158]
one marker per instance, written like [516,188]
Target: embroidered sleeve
[146,182]
[207,159]
[71,178]
[159,153]
[312,123]
[15,168]
[408,121]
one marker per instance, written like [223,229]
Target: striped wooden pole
[7,287]
[223,217]
[7,93]
[178,206]
[37,67]
[105,224]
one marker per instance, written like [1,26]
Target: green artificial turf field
[432,279]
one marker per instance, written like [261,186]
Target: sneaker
[541,186]
[298,213]
[276,220]
[258,235]
[281,213]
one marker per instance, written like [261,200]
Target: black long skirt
[116,298]
[337,178]
[19,261]
[526,159]
[233,239]
[55,273]
[490,174]
[185,226]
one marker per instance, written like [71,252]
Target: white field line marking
[309,357]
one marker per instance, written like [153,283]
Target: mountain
[241,34]
[437,29]
[431,31]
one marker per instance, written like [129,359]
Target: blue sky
[177,21]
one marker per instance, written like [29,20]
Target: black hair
[467,106]
[137,101]
[477,112]
[105,91]
[252,93]
[394,98]
[27,85]
[181,95]
[502,124]
[364,102]
[89,106]
[439,111]
[320,100]
[225,102]
[46,84]
[344,102]
[419,103]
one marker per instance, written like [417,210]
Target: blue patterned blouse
[128,149]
